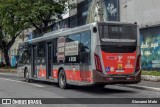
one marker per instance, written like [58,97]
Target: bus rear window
[118,32]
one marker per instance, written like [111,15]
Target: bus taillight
[138,63]
[98,63]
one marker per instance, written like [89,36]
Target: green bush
[154,73]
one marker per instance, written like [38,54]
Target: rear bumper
[100,78]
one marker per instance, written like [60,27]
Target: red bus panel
[119,63]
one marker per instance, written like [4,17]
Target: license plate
[119,70]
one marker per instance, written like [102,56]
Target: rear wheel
[62,79]
[27,76]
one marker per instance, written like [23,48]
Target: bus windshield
[118,33]
[23,53]
[118,38]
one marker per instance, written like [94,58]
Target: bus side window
[41,53]
[25,57]
[20,56]
[55,50]
[85,47]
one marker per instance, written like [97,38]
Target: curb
[142,87]
[150,78]
[8,70]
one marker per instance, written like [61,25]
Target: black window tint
[25,57]
[85,47]
[104,31]
[55,50]
[118,32]
[74,37]
[41,52]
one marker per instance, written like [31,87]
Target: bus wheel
[27,76]
[62,79]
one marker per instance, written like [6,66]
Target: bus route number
[72,59]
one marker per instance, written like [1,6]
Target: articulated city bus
[98,54]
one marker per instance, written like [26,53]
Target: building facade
[88,11]
[147,14]
[13,50]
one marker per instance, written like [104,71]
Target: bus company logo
[111,57]
[120,58]
[112,69]
[6,101]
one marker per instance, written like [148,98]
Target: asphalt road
[14,87]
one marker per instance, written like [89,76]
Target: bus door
[34,55]
[49,60]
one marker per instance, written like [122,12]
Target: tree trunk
[6,57]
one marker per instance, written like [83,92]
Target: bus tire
[27,75]
[62,79]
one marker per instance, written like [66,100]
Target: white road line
[8,74]
[37,85]
[146,87]
[142,87]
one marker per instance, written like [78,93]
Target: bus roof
[54,34]
[67,31]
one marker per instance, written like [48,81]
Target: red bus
[98,54]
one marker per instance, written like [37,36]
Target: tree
[17,15]
[11,26]
[42,13]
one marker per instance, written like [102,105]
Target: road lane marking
[15,74]
[142,87]
[37,85]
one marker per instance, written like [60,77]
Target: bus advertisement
[95,54]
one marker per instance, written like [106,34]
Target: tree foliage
[11,26]
[41,13]
[17,15]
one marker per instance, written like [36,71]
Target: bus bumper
[100,78]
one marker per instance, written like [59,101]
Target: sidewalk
[8,70]
[145,85]
[149,84]
[151,78]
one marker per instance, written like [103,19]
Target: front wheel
[62,79]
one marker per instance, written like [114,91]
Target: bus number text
[72,59]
